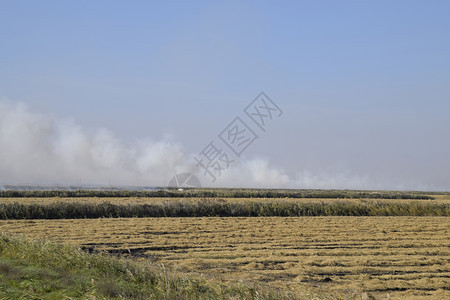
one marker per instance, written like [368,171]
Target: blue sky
[364,84]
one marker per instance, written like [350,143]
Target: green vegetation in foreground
[32,269]
[220,193]
[221,208]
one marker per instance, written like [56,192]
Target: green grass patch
[31,269]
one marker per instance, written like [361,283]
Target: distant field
[219,193]
[442,199]
[399,256]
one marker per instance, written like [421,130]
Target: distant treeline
[221,208]
[219,193]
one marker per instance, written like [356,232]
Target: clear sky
[364,87]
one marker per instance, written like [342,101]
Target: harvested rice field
[381,257]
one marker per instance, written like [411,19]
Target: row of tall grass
[219,193]
[73,273]
[221,208]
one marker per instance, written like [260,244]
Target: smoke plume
[37,149]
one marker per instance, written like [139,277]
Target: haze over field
[110,93]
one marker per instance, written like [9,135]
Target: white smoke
[255,173]
[37,149]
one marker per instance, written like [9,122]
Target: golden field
[384,257]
